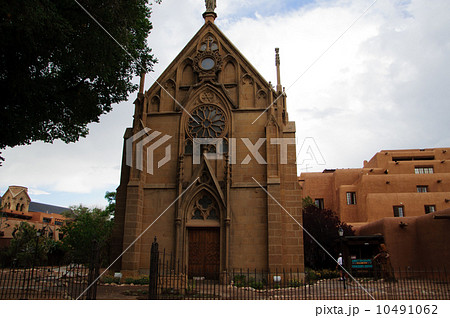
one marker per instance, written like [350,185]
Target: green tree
[59,70]
[323,226]
[86,227]
[307,201]
[111,207]
[27,247]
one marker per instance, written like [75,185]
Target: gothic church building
[216,206]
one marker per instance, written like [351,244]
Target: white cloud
[383,85]
[32,191]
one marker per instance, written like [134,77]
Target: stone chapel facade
[218,213]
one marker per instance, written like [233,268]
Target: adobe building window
[58,222]
[430,208]
[422,189]
[351,198]
[319,203]
[423,170]
[399,211]
[46,220]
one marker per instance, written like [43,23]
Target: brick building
[216,215]
[16,207]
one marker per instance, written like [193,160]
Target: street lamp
[341,236]
[38,234]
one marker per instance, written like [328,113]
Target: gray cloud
[383,85]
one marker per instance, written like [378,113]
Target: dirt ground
[125,292]
[324,289]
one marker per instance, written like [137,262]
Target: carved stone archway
[202,240]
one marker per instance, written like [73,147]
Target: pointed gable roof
[191,47]
[15,191]
[205,166]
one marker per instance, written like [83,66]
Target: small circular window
[207,63]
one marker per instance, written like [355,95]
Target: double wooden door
[204,252]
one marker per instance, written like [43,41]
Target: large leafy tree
[59,70]
[323,225]
[86,228]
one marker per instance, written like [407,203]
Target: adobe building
[399,197]
[210,204]
[16,207]
[394,183]
[419,242]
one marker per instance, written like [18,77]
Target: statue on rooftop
[210,5]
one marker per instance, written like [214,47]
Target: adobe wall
[387,180]
[423,242]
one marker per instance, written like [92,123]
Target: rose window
[209,122]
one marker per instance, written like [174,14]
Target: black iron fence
[46,282]
[33,281]
[169,279]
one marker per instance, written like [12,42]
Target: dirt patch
[124,292]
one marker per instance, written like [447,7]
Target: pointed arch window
[205,208]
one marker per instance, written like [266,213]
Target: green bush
[109,280]
[240,281]
[144,280]
[295,283]
[329,273]
[254,284]
[312,276]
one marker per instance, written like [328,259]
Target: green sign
[362,263]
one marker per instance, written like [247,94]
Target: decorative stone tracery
[207,121]
[205,208]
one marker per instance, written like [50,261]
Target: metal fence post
[94,269]
[153,277]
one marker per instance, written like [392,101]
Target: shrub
[312,276]
[240,280]
[109,280]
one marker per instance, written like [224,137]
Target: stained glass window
[207,122]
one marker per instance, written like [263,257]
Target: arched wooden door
[203,226]
[204,252]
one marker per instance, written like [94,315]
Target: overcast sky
[382,83]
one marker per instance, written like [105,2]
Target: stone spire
[209,14]
[277,64]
